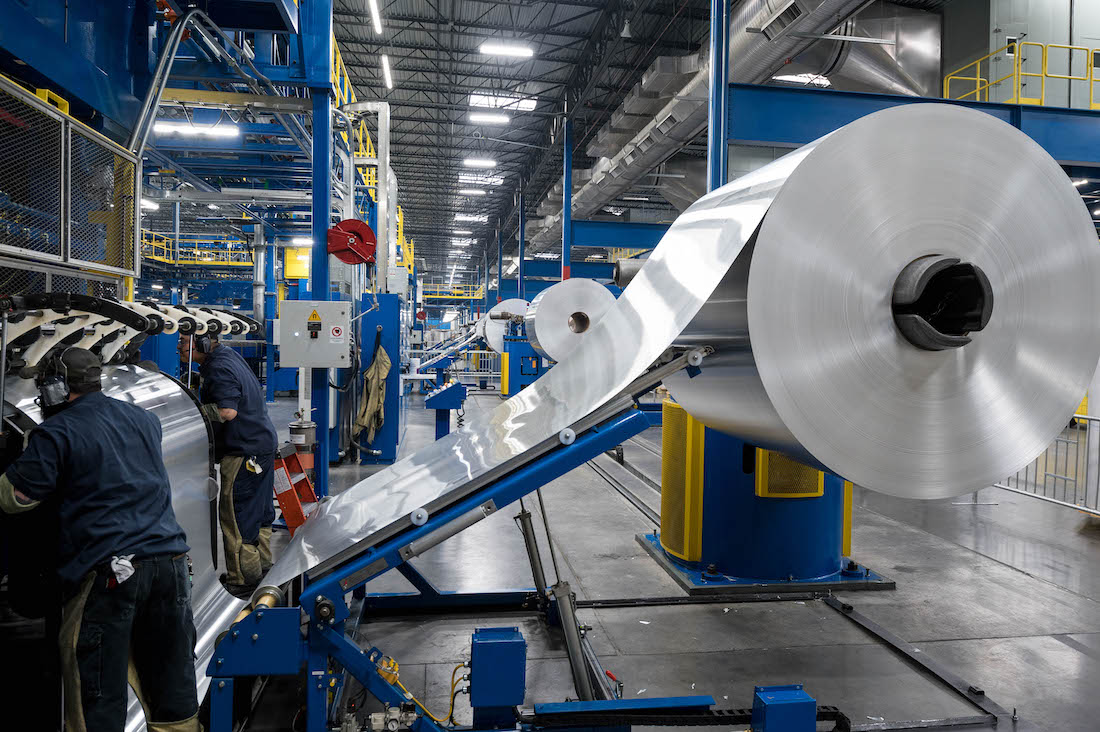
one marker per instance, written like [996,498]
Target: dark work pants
[138,633]
[246,512]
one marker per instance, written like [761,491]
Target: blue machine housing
[522,365]
[388,316]
[498,675]
[783,709]
[447,397]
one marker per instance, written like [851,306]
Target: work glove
[212,413]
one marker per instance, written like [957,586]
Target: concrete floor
[1005,595]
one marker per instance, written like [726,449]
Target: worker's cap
[82,367]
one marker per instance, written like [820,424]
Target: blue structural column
[270,312]
[522,226]
[500,264]
[318,61]
[717,147]
[567,199]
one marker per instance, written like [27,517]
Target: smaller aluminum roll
[561,315]
[626,269]
[493,330]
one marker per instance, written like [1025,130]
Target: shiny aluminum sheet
[810,361]
[493,330]
[562,315]
[936,174]
[185,446]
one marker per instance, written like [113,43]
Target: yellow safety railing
[345,93]
[200,251]
[443,291]
[405,247]
[978,74]
[618,253]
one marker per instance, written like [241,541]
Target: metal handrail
[972,73]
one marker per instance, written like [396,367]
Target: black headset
[202,343]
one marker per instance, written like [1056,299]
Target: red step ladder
[293,489]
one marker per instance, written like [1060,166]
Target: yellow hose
[417,702]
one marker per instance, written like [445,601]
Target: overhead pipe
[382,151]
[753,59]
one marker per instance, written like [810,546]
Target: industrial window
[1010,41]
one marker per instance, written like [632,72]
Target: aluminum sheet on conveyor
[901,183]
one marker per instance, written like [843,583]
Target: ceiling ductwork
[668,108]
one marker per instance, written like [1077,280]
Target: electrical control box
[498,669]
[315,334]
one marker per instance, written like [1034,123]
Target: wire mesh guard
[102,207]
[65,193]
[18,279]
[30,178]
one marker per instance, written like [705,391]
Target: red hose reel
[352,242]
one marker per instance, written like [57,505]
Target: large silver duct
[186,447]
[754,58]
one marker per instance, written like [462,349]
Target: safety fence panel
[1067,472]
[67,194]
[27,278]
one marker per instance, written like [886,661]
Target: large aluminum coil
[493,330]
[827,375]
[811,360]
[185,445]
[562,314]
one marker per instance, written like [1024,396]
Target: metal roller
[492,329]
[562,314]
[828,375]
[186,447]
[923,330]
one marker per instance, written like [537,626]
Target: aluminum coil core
[813,360]
[563,314]
[494,330]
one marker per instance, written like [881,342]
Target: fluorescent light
[386,75]
[547,255]
[461,232]
[157,287]
[212,206]
[1096,212]
[460,242]
[481,179]
[635,198]
[471,192]
[479,163]
[149,205]
[375,16]
[302,241]
[503,101]
[478,218]
[1081,182]
[490,118]
[493,48]
[227,129]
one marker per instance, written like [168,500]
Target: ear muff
[202,343]
[53,384]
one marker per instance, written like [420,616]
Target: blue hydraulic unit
[445,398]
[498,676]
[381,340]
[783,709]
[736,518]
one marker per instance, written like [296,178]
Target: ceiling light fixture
[471,192]
[375,16]
[1081,182]
[489,118]
[461,232]
[635,198]
[479,163]
[386,75]
[495,48]
[191,130]
[149,205]
[503,101]
[481,179]
[478,218]
[157,287]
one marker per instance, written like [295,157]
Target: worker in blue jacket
[244,445]
[122,557]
